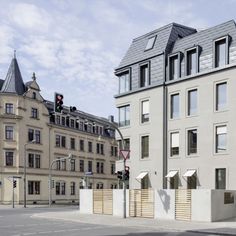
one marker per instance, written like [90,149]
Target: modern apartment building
[176,104]
[33,136]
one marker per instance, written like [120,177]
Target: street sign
[125,153]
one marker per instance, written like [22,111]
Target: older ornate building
[33,136]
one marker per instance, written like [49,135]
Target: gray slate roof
[205,38]
[13,82]
[164,40]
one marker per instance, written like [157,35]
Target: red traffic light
[58,102]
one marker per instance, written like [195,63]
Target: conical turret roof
[13,82]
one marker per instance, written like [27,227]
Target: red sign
[125,153]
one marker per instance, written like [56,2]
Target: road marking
[59,231]
[45,232]
[29,233]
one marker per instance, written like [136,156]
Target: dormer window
[174,66]
[191,61]
[144,75]
[124,82]
[150,43]
[34,95]
[221,50]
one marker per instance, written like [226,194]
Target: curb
[210,232]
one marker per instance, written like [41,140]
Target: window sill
[192,156]
[191,116]
[175,157]
[9,140]
[216,154]
[221,111]
[35,118]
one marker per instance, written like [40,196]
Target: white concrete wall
[221,211]
[86,201]
[201,205]
[118,203]
[164,204]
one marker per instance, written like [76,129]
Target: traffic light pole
[124,185]
[13,197]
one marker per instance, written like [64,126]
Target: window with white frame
[34,134]
[174,106]
[221,96]
[124,116]
[174,147]
[192,102]
[9,135]
[9,158]
[33,160]
[221,138]
[72,188]
[33,187]
[60,188]
[34,113]
[145,111]
[9,108]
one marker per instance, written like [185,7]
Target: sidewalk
[217,228]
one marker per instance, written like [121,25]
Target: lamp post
[32,141]
[122,147]
[50,177]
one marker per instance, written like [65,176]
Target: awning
[189,173]
[141,175]
[171,173]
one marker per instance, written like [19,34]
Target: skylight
[150,43]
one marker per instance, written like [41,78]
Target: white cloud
[30,17]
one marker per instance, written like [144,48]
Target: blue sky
[74,45]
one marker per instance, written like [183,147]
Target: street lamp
[50,176]
[113,125]
[32,141]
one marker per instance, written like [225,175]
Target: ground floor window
[60,188]
[220,178]
[174,182]
[192,182]
[33,187]
[72,188]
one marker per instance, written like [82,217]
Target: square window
[9,158]
[9,108]
[150,43]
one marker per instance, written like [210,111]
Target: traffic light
[58,102]
[14,183]
[120,175]
[126,174]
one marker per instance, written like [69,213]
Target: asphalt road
[19,222]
